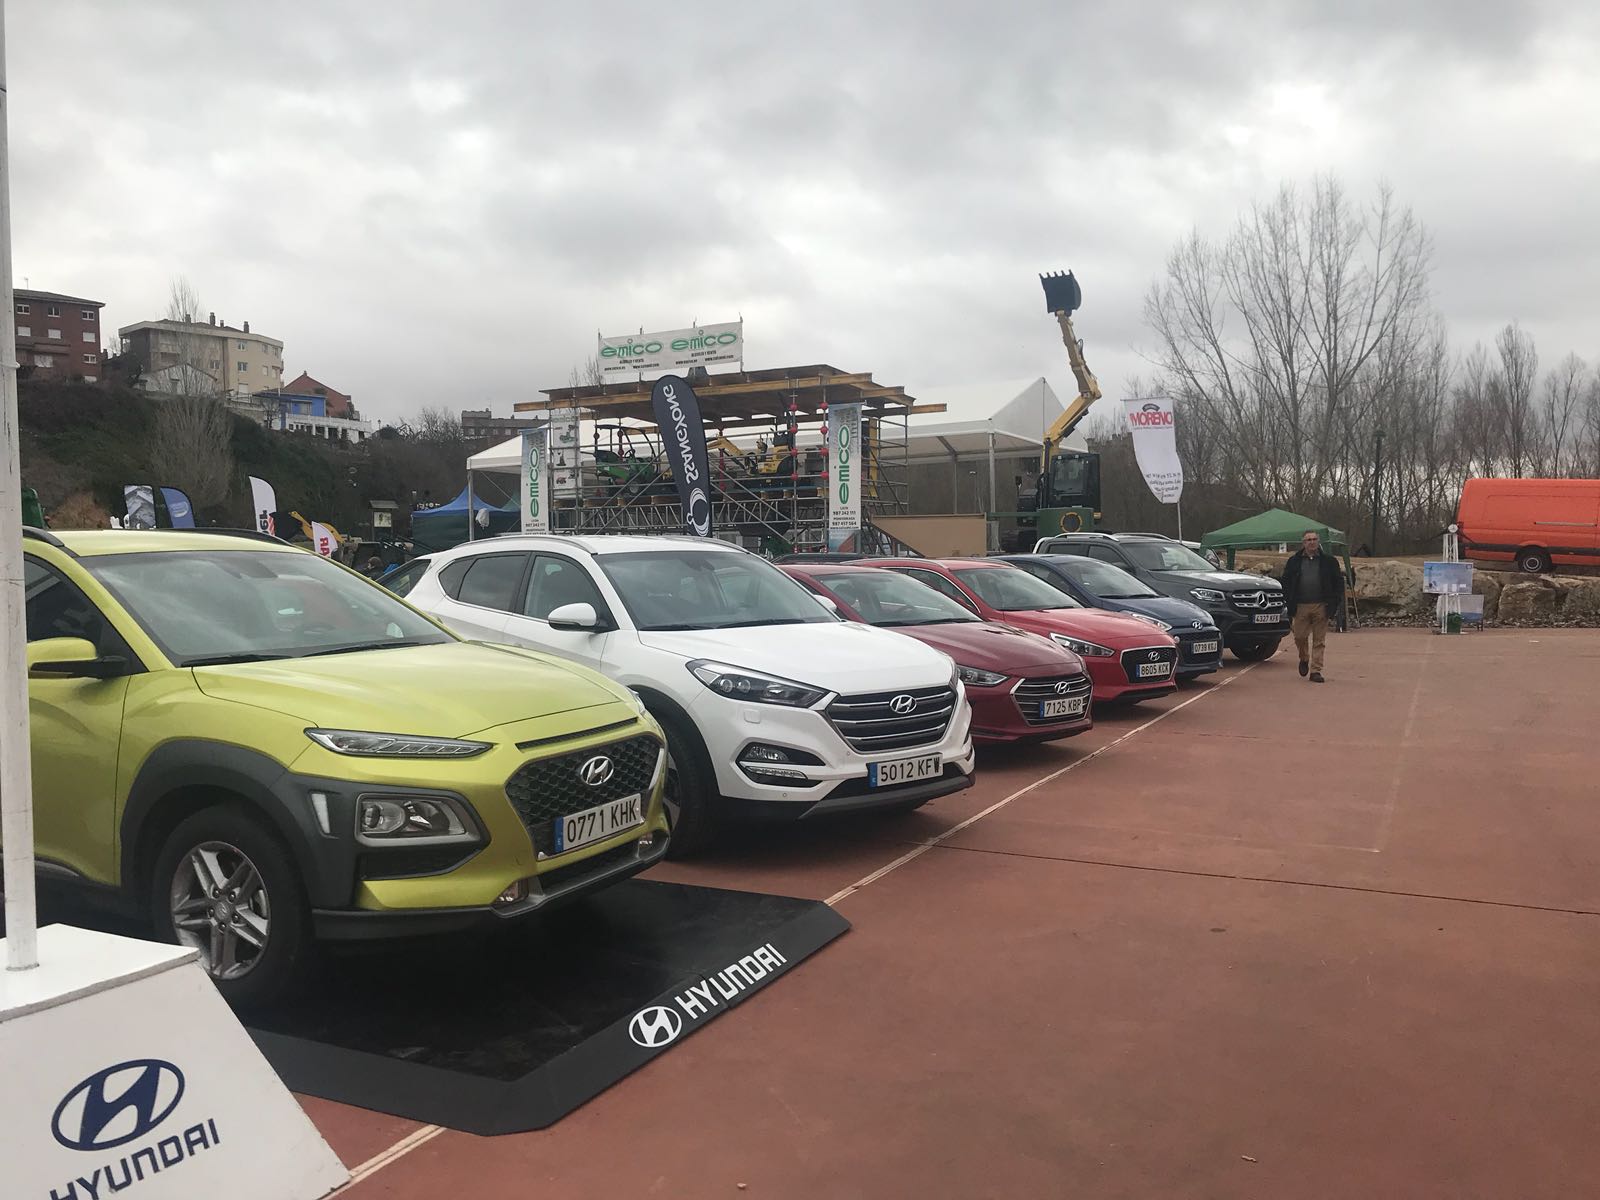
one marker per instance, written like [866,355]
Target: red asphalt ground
[1286,941]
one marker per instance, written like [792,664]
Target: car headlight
[979,678]
[394,745]
[1079,646]
[383,819]
[1207,595]
[736,683]
[1159,624]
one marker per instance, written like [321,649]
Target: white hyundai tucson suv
[773,706]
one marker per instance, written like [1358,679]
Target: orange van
[1531,522]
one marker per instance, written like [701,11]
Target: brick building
[481,425]
[58,336]
[338,404]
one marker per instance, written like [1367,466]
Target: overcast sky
[442,203]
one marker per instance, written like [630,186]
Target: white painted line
[1387,822]
[922,848]
[399,1150]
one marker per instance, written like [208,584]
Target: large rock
[1579,602]
[1488,584]
[1387,588]
[1530,603]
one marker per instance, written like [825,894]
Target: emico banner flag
[672,350]
[536,479]
[322,539]
[844,475]
[140,502]
[266,504]
[1155,445]
[179,511]
[677,412]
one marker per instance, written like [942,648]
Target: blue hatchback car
[1101,585]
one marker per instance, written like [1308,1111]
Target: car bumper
[547,891]
[1191,663]
[856,797]
[1111,681]
[997,717]
[1242,629]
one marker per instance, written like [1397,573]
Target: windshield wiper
[938,621]
[764,621]
[218,660]
[355,646]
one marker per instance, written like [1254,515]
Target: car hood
[840,656]
[452,689]
[1118,631]
[1223,581]
[992,647]
[1180,614]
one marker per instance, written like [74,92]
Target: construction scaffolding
[767,448]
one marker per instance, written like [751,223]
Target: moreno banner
[140,502]
[1155,445]
[844,476]
[179,511]
[677,412]
[265,501]
[535,502]
[323,539]
[672,349]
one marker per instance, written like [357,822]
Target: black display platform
[509,1033]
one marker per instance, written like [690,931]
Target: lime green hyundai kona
[257,747]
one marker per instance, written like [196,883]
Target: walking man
[1313,587]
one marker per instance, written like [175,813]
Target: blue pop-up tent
[444,526]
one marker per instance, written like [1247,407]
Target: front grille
[1031,695]
[1132,660]
[869,724]
[548,788]
[1265,598]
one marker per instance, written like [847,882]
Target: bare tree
[587,373]
[437,424]
[1564,390]
[1512,397]
[192,447]
[188,362]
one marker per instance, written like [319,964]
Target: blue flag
[178,508]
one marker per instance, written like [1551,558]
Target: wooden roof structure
[741,399]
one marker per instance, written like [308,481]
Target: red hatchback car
[1021,687]
[1128,658]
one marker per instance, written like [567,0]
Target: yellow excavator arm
[1088,392]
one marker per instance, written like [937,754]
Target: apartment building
[239,361]
[58,336]
[480,424]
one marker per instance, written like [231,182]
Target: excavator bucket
[1061,292]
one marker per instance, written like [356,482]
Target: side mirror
[828,603]
[71,658]
[575,618]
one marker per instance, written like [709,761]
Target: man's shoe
[1304,667]
[1316,677]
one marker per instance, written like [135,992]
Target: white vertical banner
[536,479]
[322,539]
[265,501]
[564,465]
[139,500]
[844,476]
[1155,445]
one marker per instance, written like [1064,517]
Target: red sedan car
[1021,687]
[1128,658]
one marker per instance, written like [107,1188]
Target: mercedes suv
[1248,609]
[773,706]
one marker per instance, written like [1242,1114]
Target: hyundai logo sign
[114,1106]
[1198,624]
[1062,686]
[902,705]
[1153,655]
[655,1027]
[597,771]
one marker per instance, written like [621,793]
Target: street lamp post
[1377,467]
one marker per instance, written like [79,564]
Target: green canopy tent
[1275,527]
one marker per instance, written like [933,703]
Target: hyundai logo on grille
[902,705]
[1197,624]
[1153,655]
[114,1106]
[597,771]
[1063,685]
[655,1027]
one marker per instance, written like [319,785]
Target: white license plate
[1155,670]
[598,823]
[1268,618]
[1205,647]
[903,770]
[1072,706]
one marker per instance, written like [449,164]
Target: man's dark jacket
[1332,581]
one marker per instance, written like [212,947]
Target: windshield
[205,606]
[1011,589]
[886,598]
[1069,477]
[693,589]
[1165,556]
[1106,581]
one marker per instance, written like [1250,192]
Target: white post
[1178,504]
[991,465]
[471,524]
[16,768]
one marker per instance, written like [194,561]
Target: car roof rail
[45,536]
[253,534]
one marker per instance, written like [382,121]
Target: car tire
[693,810]
[215,846]
[1255,651]
[1533,561]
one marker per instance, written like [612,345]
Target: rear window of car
[492,581]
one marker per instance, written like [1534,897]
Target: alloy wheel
[220,907]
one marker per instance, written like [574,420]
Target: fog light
[770,754]
[402,817]
[512,894]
